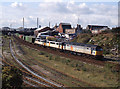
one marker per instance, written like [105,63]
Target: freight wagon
[30,39]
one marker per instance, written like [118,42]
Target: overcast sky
[99,13]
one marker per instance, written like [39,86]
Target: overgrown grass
[102,77]
[85,72]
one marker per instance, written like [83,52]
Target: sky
[56,11]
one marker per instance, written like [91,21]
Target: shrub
[84,69]
[50,57]
[11,78]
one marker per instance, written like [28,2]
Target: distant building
[5,28]
[95,29]
[63,26]
[70,31]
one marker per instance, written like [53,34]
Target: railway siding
[25,73]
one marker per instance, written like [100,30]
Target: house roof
[65,23]
[43,29]
[96,26]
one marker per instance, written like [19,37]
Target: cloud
[53,1]
[79,9]
[56,12]
[16,4]
[53,7]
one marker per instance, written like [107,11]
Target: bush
[84,69]
[106,51]
[11,77]
[67,61]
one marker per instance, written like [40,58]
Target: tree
[11,77]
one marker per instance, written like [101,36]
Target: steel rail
[30,83]
[34,80]
[29,69]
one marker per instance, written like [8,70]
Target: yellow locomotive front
[99,51]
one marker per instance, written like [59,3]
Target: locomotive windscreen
[98,48]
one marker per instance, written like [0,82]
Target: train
[93,51]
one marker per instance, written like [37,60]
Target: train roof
[82,44]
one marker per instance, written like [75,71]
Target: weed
[57,58]
[50,57]
[41,53]
[84,68]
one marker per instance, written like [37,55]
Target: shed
[96,28]
[42,29]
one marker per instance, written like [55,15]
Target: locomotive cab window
[52,42]
[57,43]
[99,48]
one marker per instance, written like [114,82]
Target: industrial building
[95,29]
[63,26]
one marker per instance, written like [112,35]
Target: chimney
[49,24]
[37,22]
[23,22]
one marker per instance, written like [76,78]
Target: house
[42,29]
[63,26]
[70,31]
[95,29]
[76,30]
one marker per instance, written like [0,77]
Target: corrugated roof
[97,26]
[43,29]
[40,28]
[65,23]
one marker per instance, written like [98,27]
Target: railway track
[34,63]
[27,74]
[52,84]
[24,80]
